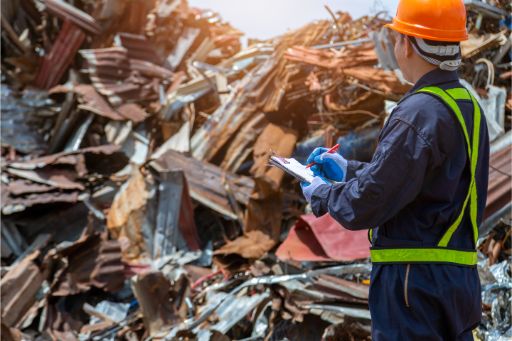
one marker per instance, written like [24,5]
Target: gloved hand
[329,165]
[309,188]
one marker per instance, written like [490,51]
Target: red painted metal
[323,239]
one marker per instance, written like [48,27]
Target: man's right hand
[329,165]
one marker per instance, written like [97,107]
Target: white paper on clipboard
[292,167]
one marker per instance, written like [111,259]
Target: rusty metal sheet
[18,289]
[153,215]
[382,80]
[207,182]
[83,160]
[240,149]
[263,89]
[92,101]
[58,178]
[339,284]
[182,47]
[153,292]
[499,191]
[19,187]
[175,228]
[66,171]
[230,116]
[323,239]
[479,43]
[68,12]
[251,245]
[138,47]
[121,78]
[60,57]
[133,112]
[126,215]
[355,61]
[274,139]
[350,56]
[12,204]
[92,261]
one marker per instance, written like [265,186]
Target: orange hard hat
[439,20]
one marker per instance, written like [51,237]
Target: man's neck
[421,70]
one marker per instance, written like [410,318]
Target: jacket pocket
[406,285]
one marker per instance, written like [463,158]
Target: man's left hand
[309,188]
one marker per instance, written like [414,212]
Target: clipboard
[292,167]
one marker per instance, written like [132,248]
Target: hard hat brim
[427,33]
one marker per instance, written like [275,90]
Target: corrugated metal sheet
[67,12]
[91,100]
[121,78]
[92,261]
[207,181]
[62,53]
[323,239]
[499,192]
[138,47]
[71,36]
[19,288]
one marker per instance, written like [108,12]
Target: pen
[333,149]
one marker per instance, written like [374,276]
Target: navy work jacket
[415,185]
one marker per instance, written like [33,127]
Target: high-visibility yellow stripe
[459,93]
[442,95]
[446,98]
[423,255]
[473,205]
[447,236]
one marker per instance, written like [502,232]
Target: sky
[264,19]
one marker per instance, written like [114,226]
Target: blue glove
[329,165]
[309,188]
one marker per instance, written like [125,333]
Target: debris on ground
[137,201]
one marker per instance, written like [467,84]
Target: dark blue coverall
[411,191]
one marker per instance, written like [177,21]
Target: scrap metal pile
[137,199]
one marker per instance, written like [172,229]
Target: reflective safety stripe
[450,101]
[472,156]
[473,205]
[441,253]
[459,93]
[424,255]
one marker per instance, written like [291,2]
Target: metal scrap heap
[137,199]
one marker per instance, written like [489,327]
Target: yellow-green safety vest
[441,253]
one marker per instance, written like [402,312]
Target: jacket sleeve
[382,187]
[353,167]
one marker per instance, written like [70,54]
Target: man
[423,193]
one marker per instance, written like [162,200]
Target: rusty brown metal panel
[78,17]
[274,139]
[121,78]
[499,191]
[138,47]
[18,289]
[206,182]
[92,261]
[240,149]
[153,292]
[60,57]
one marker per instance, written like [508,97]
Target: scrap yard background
[137,199]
